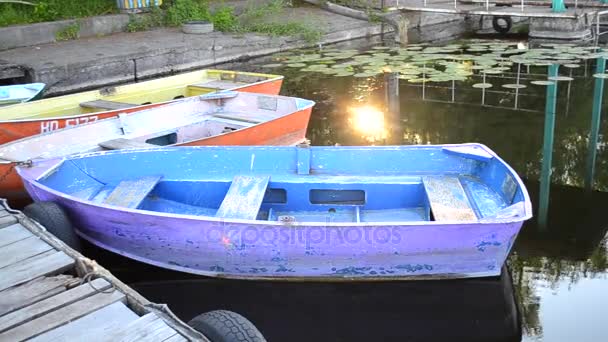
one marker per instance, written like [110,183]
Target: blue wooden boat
[21,93]
[329,213]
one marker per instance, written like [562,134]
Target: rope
[90,276]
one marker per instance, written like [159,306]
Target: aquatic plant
[420,63]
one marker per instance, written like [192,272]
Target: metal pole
[453,90]
[391,80]
[517,82]
[483,91]
[545,174]
[596,116]
[522,5]
[568,95]
[597,29]
[487,5]
[558,6]
[423,82]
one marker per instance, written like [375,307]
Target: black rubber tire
[226,326]
[55,220]
[502,29]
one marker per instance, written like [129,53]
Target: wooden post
[545,174]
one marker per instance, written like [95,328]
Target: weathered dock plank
[176,338]
[47,263]
[43,307]
[39,303]
[21,250]
[36,290]
[12,234]
[147,328]
[61,316]
[92,327]
[7,221]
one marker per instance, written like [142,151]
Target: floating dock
[49,292]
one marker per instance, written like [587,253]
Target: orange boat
[26,119]
[224,118]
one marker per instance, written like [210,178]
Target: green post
[598,93]
[545,174]
[558,6]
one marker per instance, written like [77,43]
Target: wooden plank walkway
[49,292]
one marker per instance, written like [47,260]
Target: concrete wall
[34,34]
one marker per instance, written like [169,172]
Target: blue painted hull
[327,213]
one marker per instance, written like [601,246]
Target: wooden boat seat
[130,193]
[122,143]
[245,117]
[107,105]
[219,84]
[244,197]
[448,200]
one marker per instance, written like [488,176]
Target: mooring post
[391,82]
[545,174]
[558,6]
[596,116]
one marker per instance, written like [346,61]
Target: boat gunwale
[133,109]
[309,105]
[484,221]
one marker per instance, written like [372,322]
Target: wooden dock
[49,292]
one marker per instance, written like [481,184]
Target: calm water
[559,275]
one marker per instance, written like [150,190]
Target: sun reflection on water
[369,121]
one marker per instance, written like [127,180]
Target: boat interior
[19,93]
[198,119]
[470,191]
[137,94]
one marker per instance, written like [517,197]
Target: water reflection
[368,121]
[464,310]
[559,273]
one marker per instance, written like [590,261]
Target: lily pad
[545,83]
[514,86]
[560,78]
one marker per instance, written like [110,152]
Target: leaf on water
[514,86]
[544,83]
[560,78]
[482,85]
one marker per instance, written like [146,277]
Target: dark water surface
[559,275]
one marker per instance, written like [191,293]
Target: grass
[155,18]
[51,10]
[69,32]
[269,18]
